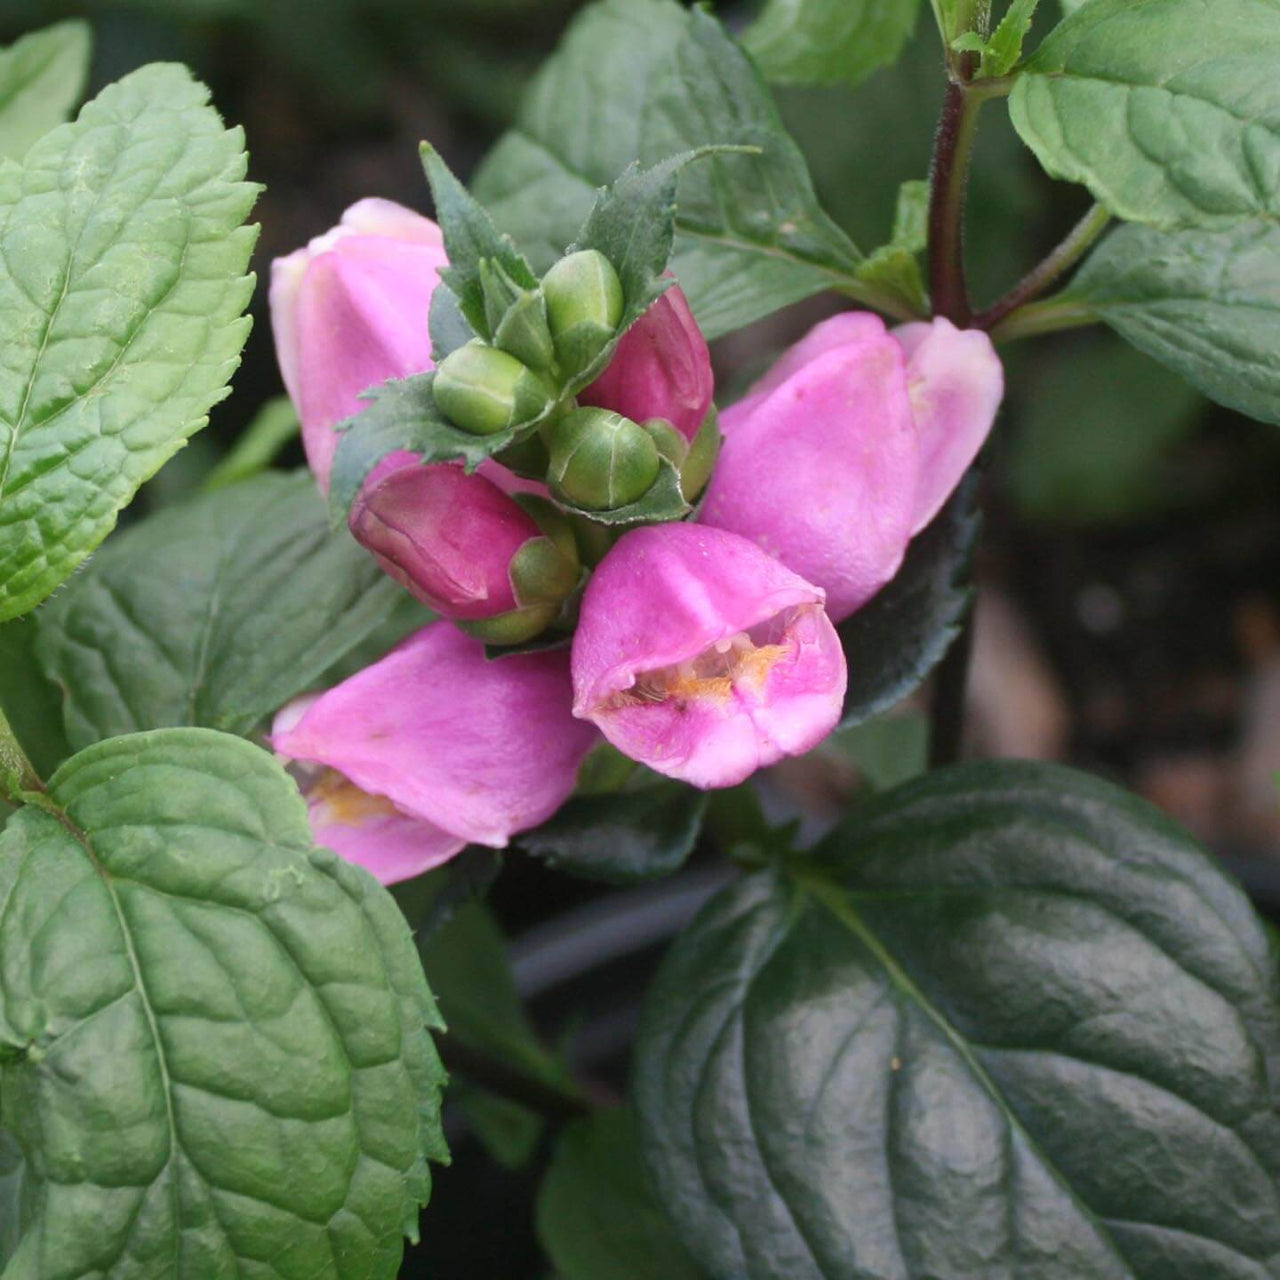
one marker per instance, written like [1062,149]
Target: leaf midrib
[833,900]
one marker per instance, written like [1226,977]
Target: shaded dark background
[1130,619]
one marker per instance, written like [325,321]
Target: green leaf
[429,901]
[213,613]
[1092,433]
[29,700]
[42,77]
[893,642]
[1010,1022]
[1204,303]
[469,238]
[467,965]
[622,837]
[597,1216]
[122,283]
[213,1035]
[1003,48]
[827,41]
[448,326]
[895,267]
[888,750]
[644,80]
[1166,110]
[272,427]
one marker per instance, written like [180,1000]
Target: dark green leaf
[42,77]
[469,237]
[597,1216]
[213,1035]
[1205,303]
[892,643]
[622,838]
[431,900]
[122,288]
[1166,110]
[30,701]
[644,80]
[825,41]
[1010,1022]
[888,750]
[213,613]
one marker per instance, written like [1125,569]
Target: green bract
[484,391]
[1007,1020]
[122,260]
[1167,110]
[213,1037]
[601,460]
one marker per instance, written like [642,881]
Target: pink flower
[435,747]
[349,311]
[704,658]
[661,369]
[447,536]
[849,446]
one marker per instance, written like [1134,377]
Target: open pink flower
[704,658]
[849,446]
[661,369]
[434,747]
[350,311]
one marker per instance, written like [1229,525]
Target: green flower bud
[670,441]
[483,390]
[514,627]
[600,460]
[700,461]
[584,306]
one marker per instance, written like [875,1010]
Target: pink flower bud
[434,747]
[704,658]
[350,311]
[850,445]
[661,369]
[447,536]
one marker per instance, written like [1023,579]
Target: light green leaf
[825,41]
[1002,49]
[42,77]
[213,1036]
[1007,1022]
[272,427]
[597,1216]
[1167,110]
[648,79]
[1204,303]
[122,287]
[895,267]
[213,613]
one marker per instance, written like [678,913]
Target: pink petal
[956,383]
[479,748]
[819,467]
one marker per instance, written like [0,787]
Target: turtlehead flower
[849,446]
[704,658]
[350,311]
[435,747]
[661,369]
[460,544]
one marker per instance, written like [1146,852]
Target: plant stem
[555,1102]
[1039,281]
[1047,316]
[17,775]
[950,685]
[952,149]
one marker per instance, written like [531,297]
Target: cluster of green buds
[593,457]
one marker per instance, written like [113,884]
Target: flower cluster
[703,648]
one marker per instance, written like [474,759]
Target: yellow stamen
[345,803]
